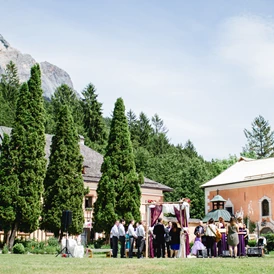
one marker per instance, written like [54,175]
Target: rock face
[52,76]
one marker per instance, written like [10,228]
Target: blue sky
[206,67]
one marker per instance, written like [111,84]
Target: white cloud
[248,42]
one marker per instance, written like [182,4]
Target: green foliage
[118,191]
[53,242]
[217,166]
[8,186]
[94,123]
[269,241]
[144,130]
[49,115]
[5,249]
[260,139]
[99,243]
[64,186]
[9,89]
[23,175]
[184,174]
[34,247]
[251,243]
[64,95]
[28,151]
[18,249]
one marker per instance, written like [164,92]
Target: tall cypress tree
[8,188]
[119,177]
[27,149]
[64,185]
[94,123]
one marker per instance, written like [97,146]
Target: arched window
[265,208]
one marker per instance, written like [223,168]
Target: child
[197,244]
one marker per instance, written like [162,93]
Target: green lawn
[49,264]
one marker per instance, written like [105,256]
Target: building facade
[248,188]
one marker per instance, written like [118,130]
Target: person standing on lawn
[122,237]
[140,240]
[115,236]
[210,237]
[232,237]
[132,236]
[159,232]
[175,240]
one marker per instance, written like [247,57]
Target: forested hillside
[176,165]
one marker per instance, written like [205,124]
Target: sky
[205,67]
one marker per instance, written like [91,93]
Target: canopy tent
[179,209]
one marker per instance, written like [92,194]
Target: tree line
[133,146]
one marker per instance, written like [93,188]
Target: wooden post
[148,225]
[182,232]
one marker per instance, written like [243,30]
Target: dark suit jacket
[159,232]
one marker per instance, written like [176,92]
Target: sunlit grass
[12,263]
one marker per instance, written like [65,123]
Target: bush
[41,245]
[18,249]
[5,250]
[251,243]
[98,243]
[53,242]
[30,245]
[51,249]
[269,241]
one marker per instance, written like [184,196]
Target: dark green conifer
[64,186]
[119,182]
[27,152]
[94,124]
[66,95]
[9,89]
[260,140]
[8,188]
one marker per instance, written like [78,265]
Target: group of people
[135,235]
[166,239]
[234,237]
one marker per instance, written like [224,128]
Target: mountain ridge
[52,76]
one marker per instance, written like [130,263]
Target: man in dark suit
[159,232]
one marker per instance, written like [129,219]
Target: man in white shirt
[122,237]
[132,236]
[140,240]
[115,236]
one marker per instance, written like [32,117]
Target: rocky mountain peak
[52,76]
[3,43]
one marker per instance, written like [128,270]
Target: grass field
[27,264]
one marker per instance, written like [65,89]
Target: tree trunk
[6,237]
[12,235]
